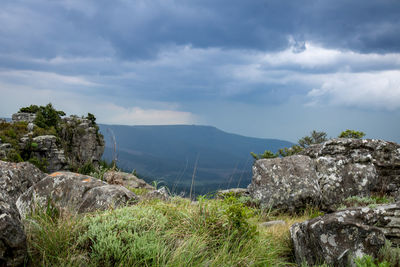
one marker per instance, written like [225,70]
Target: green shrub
[351,134]
[87,168]
[356,201]
[41,164]
[266,155]
[14,156]
[285,152]
[369,261]
[389,254]
[47,116]
[314,138]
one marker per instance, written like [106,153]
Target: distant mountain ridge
[168,153]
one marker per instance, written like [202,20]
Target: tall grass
[154,233]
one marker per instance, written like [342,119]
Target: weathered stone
[85,144]
[23,116]
[285,183]
[46,149]
[125,179]
[16,178]
[161,193]
[328,173]
[74,192]
[13,248]
[272,223]
[338,237]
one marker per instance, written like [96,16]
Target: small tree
[351,134]
[266,155]
[314,138]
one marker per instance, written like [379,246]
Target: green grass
[155,233]
[178,232]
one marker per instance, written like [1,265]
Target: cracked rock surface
[74,192]
[326,174]
[338,237]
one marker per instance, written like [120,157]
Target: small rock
[161,193]
[126,179]
[272,223]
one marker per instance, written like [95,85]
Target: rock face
[74,192]
[338,237]
[77,143]
[285,183]
[15,178]
[126,179]
[326,174]
[83,142]
[45,148]
[13,248]
[23,116]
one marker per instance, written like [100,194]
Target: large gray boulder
[125,179]
[75,193]
[286,183]
[15,179]
[326,174]
[339,237]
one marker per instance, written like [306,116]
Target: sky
[270,69]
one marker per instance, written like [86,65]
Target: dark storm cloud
[140,29]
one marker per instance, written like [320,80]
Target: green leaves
[351,134]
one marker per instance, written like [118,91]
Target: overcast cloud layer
[260,68]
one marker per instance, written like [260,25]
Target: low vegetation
[209,232]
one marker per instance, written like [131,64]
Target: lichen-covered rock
[46,149]
[23,116]
[161,193]
[328,173]
[74,192]
[125,179]
[286,183]
[13,248]
[381,157]
[338,237]
[82,141]
[16,178]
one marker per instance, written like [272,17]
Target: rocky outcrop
[326,174]
[15,179]
[45,148]
[76,142]
[74,192]
[82,141]
[125,179]
[338,237]
[23,116]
